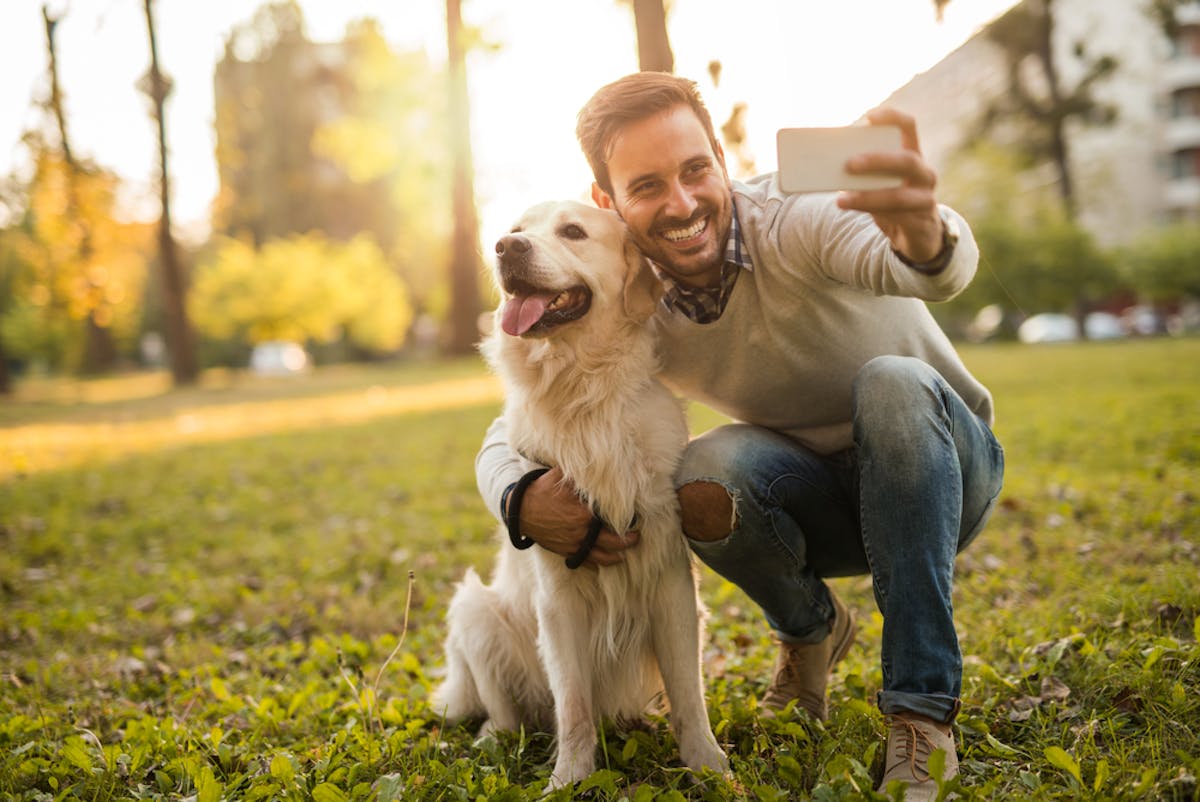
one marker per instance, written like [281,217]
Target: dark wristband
[512,509]
[579,557]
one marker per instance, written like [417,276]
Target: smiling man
[862,445]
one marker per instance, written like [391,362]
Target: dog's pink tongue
[521,312]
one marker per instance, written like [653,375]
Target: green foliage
[1033,257]
[209,619]
[50,283]
[1164,264]
[301,288]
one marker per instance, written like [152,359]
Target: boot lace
[913,746]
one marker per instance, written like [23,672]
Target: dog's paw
[706,756]
[568,772]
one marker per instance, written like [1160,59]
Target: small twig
[100,746]
[396,650]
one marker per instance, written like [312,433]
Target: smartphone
[814,159]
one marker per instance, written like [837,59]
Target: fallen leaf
[1054,690]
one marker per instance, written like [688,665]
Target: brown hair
[630,99]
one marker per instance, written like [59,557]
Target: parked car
[278,358]
[1048,327]
[1103,326]
[1143,320]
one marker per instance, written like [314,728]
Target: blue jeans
[917,487]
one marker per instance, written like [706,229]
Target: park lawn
[236,591]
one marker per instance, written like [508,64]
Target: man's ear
[601,198]
[643,289]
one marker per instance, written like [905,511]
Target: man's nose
[681,203]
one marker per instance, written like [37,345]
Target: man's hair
[631,99]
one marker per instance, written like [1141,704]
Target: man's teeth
[679,234]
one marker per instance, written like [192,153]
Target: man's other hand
[555,518]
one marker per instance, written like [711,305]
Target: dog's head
[567,267]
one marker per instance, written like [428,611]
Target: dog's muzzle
[530,309]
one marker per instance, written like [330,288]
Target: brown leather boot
[912,738]
[802,669]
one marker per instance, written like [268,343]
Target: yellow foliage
[301,288]
[77,260]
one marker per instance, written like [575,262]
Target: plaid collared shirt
[706,304]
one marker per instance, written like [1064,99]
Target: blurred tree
[1039,106]
[100,354]
[10,268]
[271,89]
[465,259]
[390,142]
[1033,257]
[1164,264]
[181,346]
[53,292]
[653,43]
[1165,13]
[341,138]
[302,288]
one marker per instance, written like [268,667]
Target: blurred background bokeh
[197,185]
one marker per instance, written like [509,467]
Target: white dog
[542,643]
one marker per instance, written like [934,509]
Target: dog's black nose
[512,246]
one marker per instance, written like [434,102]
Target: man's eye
[572,231]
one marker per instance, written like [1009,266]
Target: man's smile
[679,235]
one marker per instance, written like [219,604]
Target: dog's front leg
[676,629]
[563,642]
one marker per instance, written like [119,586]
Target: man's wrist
[941,260]
[512,499]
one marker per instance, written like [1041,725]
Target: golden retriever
[542,644]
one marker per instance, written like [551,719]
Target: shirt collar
[706,304]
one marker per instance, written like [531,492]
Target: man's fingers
[610,546]
[889,201]
[611,541]
[905,122]
[904,163]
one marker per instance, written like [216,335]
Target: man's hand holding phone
[881,173]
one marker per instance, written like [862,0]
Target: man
[863,445]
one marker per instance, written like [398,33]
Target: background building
[1142,169]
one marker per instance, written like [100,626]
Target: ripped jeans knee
[707,510]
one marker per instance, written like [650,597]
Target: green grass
[204,594]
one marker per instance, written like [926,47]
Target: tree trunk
[1058,134]
[100,352]
[6,387]
[180,344]
[465,259]
[654,46]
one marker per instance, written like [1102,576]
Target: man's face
[673,193]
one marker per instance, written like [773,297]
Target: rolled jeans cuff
[937,706]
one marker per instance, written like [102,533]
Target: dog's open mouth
[533,311]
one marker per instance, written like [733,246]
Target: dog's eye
[572,231]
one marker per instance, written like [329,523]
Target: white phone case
[813,159]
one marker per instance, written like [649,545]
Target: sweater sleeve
[810,234]
[496,466]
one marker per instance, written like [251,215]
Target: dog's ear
[643,289]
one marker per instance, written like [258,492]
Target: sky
[794,62]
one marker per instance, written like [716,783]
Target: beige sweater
[826,294]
